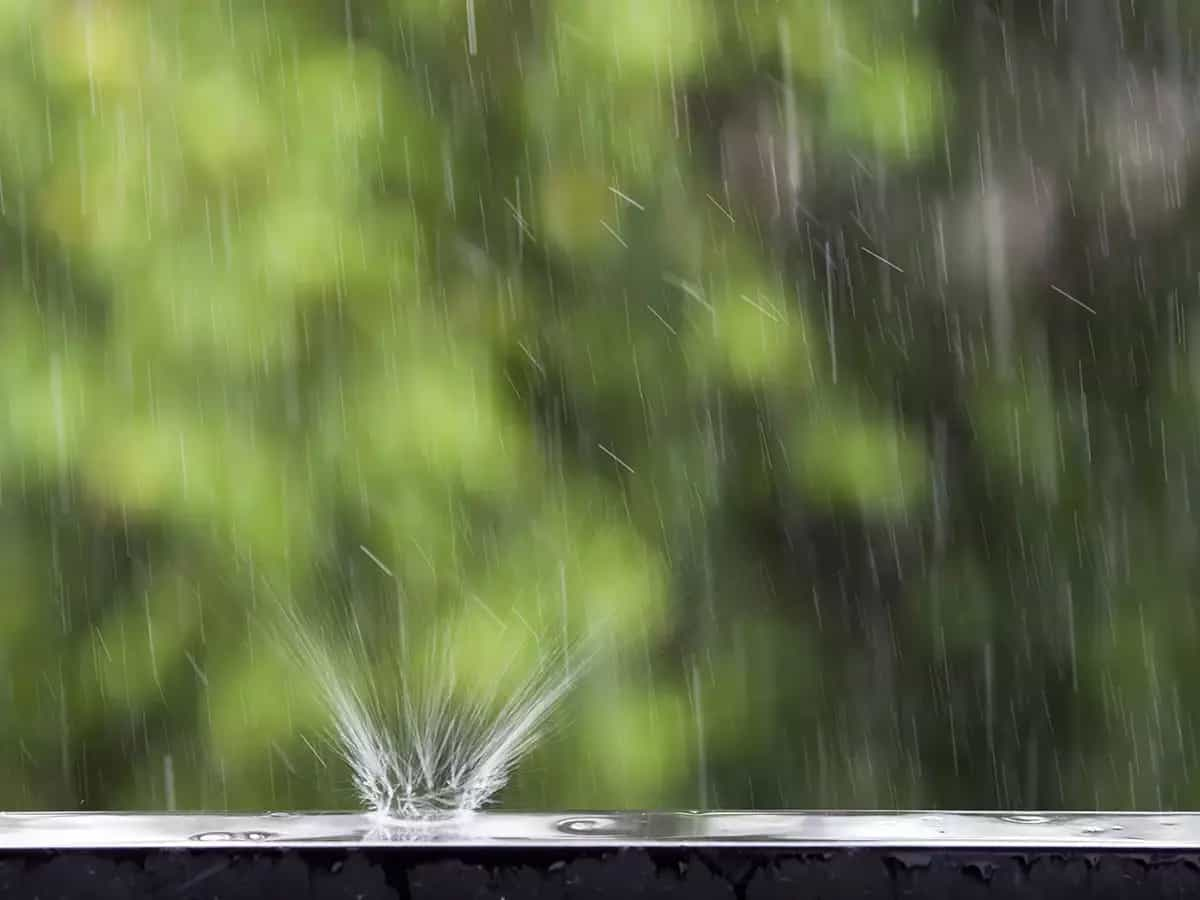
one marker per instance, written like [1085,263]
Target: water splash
[431,755]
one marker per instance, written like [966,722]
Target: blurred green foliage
[461,308]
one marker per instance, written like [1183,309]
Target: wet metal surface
[49,830]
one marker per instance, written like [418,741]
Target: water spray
[428,756]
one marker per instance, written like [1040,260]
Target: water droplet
[213,836]
[1026,820]
[588,825]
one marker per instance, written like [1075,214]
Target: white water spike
[427,754]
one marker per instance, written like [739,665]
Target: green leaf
[898,103]
[860,461]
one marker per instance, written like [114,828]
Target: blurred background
[830,360]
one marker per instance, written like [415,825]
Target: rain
[410,407]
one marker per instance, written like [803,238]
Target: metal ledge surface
[514,856]
[1033,830]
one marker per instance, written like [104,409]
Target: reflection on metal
[1082,830]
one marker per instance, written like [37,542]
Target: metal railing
[748,855]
